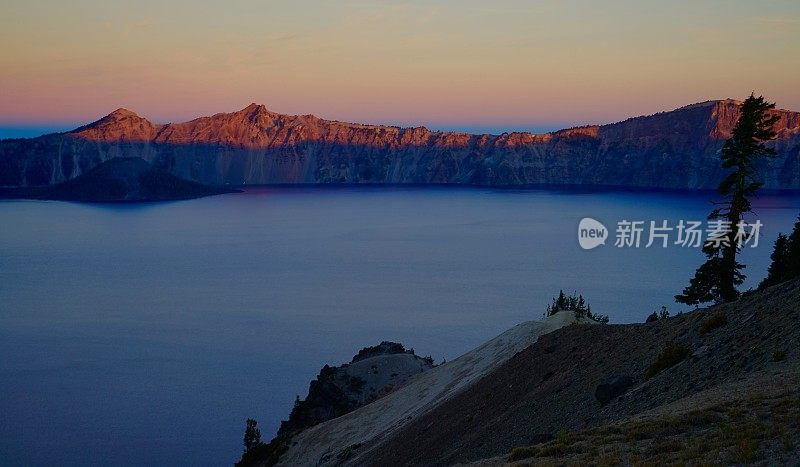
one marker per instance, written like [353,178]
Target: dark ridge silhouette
[119,180]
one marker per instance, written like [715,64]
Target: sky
[471,65]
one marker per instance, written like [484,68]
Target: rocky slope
[736,371]
[761,429]
[118,180]
[713,386]
[677,149]
[329,442]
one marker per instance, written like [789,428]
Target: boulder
[613,387]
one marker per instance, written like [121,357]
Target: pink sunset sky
[444,64]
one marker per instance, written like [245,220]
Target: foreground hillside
[328,443]
[723,391]
[762,429]
[677,149]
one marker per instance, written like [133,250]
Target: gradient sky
[445,64]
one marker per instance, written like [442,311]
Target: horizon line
[36,129]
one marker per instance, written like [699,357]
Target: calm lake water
[147,334]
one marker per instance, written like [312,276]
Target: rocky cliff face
[371,374]
[677,149]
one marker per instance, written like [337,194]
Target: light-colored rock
[320,444]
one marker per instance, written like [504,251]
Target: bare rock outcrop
[373,373]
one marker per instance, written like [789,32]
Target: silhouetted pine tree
[252,436]
[718,277]
[793,252]
[779,269]
[785,259]
[575,303]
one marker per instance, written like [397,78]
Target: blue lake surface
[146,334]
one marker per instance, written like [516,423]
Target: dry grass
[714,322]
[671,355]
[741,432]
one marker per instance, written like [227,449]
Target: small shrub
[657,315]
[355,384]
[519,453]
[597,317]
[746,450]
[661,447]
[265,454]
[713,322]
[348,452]
[788,445]
[553,450]
[778,355]
[563,436]
[671,355]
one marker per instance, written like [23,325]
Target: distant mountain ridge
[676,149]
